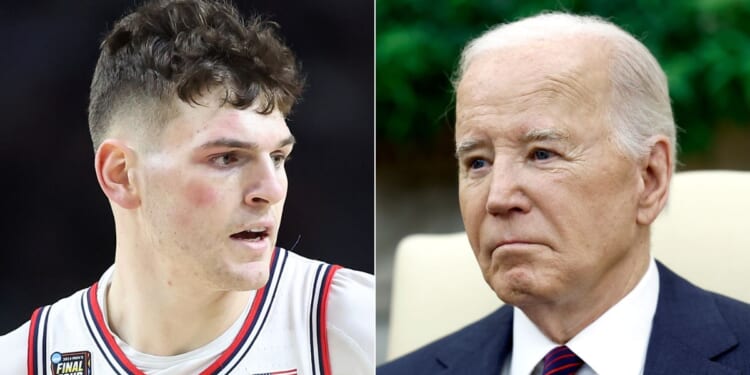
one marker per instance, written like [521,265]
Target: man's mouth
[251,235]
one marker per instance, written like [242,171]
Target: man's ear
[114,162]
[656,173]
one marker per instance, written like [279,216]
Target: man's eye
[477,164]
[224,160]
[542,154]
[280,159]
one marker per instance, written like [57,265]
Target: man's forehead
[542,63]
[549,51]
[519,135]
[518,82]
[197,125]
[245,125]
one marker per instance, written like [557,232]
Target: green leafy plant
[703,46]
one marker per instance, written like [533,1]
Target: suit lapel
[483,348]
[688,330]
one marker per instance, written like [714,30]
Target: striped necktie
[561,361]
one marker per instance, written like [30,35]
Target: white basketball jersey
[284,332]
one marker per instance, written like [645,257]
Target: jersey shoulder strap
[318,318]
[37,344]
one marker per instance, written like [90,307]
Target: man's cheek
[200,194]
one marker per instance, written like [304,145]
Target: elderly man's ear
[114,164]
[656,172]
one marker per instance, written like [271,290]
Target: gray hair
[640,106]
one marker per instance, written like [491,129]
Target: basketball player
[187,116]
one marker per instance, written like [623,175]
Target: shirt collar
[622,331]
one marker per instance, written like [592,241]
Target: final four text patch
[73,363]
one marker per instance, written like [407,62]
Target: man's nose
[507,193]
[266,184]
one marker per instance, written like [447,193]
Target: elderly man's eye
[542,154]
[478,164]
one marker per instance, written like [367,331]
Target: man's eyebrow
[466,146]
[235,143]
[290,140]
[548,134]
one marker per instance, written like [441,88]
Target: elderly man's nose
[506,194]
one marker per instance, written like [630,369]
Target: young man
[187,116]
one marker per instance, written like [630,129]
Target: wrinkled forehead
[573,70]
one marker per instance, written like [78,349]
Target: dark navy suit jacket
[694,332]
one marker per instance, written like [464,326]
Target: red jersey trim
[31,356]
[217,365]
[104,332]
[323,322]
[248,325]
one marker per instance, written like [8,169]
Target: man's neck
[158,314]
[561,322]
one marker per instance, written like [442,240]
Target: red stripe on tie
[555,351]
[562,368]
[562,361]
[559,358]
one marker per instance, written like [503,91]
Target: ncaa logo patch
[72,363]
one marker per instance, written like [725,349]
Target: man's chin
[246,277]
[514,287]
[248,285]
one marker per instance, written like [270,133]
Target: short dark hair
[185,48]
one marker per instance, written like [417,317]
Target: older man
[566,145]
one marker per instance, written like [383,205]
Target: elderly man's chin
[517,285]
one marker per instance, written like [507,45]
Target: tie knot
[561,361]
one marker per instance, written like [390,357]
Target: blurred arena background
[57,229]
[703,45]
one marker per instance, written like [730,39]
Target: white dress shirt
[623,331]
